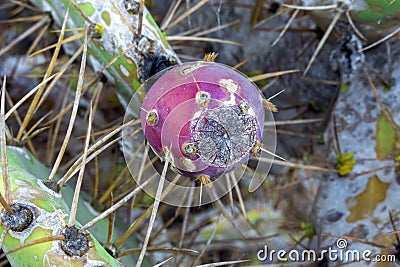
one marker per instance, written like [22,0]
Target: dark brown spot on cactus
[20,220]
[75,243]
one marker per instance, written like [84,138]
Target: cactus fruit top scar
[207,115]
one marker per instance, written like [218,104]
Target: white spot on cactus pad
[21,151]
[231,101]
[48,190]
[229,84]
[42,219]
[124,70]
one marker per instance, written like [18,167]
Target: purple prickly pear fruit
[205,118]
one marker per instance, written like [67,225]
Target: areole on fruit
[205,118]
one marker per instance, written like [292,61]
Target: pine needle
[239,194]
[4,161]
[38,37]
[22,19]
[187,13]
[36,99]
[384,39]
[131,29]
[26,96]
[215,228]
[295,165]
[153,213]
[292,122]
[323,40]
[201,39]
[271,75]
[74,111]
[312,8]
[93,149]
[64,41]
[3,235]
[170,14]
[115,207]
[295,13]
[74,205]
[25,34]
[353,26]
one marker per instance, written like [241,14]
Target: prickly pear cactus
[40,214]
[124,55]
[208,121]
[207,115]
